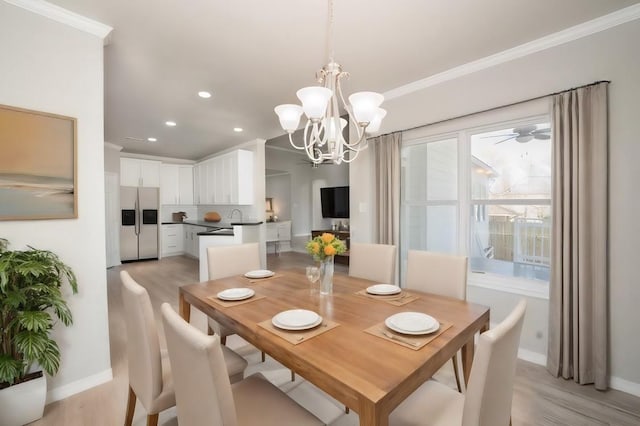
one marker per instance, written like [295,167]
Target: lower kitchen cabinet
[191,245]
[172,240]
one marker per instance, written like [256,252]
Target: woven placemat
[228,303]
[414,342]
[400,299]
[297,337]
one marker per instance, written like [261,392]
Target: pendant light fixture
[323,139]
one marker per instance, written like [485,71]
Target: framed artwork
[38,165]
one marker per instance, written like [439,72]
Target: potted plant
[31,302]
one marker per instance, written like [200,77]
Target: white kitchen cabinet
[278,233]
[239,169]
[172,240]
[176,184]
[220,181]
[211,182]
[226,179]
[169,184]
[136,172]
[191,245]
[185,184]
[199,183]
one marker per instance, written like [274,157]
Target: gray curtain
[578,318]
[386,169]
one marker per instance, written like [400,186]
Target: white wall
[47,66]
[611,55]
[278,188]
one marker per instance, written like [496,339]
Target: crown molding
[570,34]
[169,160]
[64,16]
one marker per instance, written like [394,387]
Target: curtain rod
[498,107]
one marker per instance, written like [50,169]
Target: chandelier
[323,139]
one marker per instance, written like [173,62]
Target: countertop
[217,232]
[213,224]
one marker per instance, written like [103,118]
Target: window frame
[524,286]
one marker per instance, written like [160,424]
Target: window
[484,192]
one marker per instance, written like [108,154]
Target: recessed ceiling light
[171,123]
[152,139]
[205,95]
[237,129]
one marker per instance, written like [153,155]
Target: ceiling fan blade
[497,136]
[504,140]
[542,136]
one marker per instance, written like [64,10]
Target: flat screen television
[335,202]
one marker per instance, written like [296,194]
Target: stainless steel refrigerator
[139,223]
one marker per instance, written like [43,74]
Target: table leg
[184,307]
[467,359]
[370,415]
[467,354]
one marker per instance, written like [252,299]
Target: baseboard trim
[616,383]
[532,357]
[65,391]
[625,386]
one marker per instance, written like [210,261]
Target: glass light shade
[365,105]
[314,100]
[330,128]
[289,116]
[374,125]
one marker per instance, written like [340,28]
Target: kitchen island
[225,234]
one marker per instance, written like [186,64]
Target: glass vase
[326,275]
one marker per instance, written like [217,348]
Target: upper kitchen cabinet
[176,184]
[203,178]
[226,179]
[136,172]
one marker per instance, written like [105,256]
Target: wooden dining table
[366,373]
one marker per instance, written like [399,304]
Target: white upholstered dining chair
[204,394]
[441,274]
[150,378]
[225,261]
[489,394]
[375,262]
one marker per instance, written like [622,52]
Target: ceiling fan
[525,134]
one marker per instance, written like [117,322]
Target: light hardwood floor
[539,398]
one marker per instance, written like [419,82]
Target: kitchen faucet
[233,211]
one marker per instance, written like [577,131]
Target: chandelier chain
[330,33]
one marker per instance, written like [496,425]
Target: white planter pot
[23,403]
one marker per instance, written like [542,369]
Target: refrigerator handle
[137,217]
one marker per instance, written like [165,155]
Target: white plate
[259,273]
[383,289]
[306,327]
[412,323]
[236,294]
[296,319]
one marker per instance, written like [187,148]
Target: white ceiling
[254,54]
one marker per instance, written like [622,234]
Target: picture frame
[38,165]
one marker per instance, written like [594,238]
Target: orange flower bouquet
[324,246]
